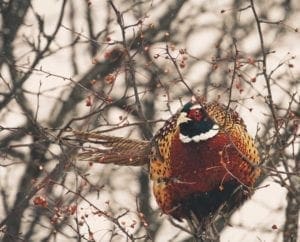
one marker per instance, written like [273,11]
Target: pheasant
[200,161]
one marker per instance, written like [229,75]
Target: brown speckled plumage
[182,170]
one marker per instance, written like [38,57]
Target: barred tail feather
[110,149]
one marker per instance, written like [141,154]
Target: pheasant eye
[195,114]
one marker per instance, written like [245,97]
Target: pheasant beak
[182,118]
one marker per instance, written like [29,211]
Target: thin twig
[264,67]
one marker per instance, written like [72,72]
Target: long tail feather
[110,149]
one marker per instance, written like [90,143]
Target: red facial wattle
[195,114]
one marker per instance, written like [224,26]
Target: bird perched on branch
[200,161]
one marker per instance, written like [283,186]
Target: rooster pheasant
[201,159]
